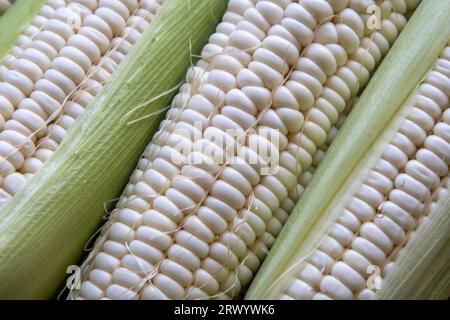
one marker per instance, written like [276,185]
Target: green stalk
[422,272]
[382,104]
[45,227]
[16,18]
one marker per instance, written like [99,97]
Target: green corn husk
[357,146]
[45,227]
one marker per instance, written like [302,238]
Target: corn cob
[102,133]
[184,230]
[431,204]
[120,46]
[425,224]
[379,206]
[53,75]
